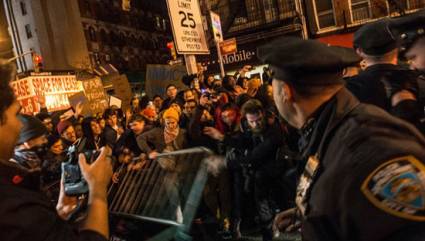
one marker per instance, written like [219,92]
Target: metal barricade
[159,201]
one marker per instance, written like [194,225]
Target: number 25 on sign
[187,18]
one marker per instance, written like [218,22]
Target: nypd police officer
[384,83]
[410,31]
[364,174]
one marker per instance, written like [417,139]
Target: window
[360,10]
[164,24]
[28,31]
[397,6]
[325,13]
[270,10]
[96,58]
[286,8]
[92,34]
[158,22]
[415,4]
[23,8]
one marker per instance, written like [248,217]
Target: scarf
[170,135]
[27,159]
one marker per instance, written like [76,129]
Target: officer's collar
[307,129]
[379,67]
[333,113]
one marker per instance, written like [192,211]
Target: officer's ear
[288,92]
[359,52]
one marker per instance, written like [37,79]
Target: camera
[74,182]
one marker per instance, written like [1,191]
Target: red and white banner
[56,89]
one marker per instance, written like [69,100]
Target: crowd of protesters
[234,116]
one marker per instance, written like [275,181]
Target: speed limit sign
[188,31]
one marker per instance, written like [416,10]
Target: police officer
[410,31]
[364,173]
[384,83]
[26,213]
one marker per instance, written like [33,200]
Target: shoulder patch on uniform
[398,188]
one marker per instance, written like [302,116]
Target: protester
[266,130]
[112,130]
[26,212]
[93,138]
[47,121]
[171,91]
[67,132]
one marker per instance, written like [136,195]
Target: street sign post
[218,37]
[188,31]
[216,26]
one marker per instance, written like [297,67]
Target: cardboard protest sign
[122,89]
[80,97]
[56,89]
[159,76]
[97,101]
[114,101]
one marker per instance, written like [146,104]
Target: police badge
[398,188]
[304,184]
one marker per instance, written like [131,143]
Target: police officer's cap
[298,58]
[408,29]
[375,38]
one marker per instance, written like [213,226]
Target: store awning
[344,40]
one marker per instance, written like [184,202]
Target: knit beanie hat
[31,128]
[171,113]
[62,126]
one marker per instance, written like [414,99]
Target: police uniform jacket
[366,176]
[378,83]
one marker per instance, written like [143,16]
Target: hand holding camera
[99,173]
[86,171]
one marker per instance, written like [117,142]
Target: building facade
[252,23]
[335,20]
[127,39]
[83,34]
[6,47]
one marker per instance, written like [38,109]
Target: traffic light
[170,46]
[37,61]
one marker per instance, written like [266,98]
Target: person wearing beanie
[167,139]
[384,83]
[67,133]
[31,147]
[25,210]
[151,118]
[171,113]
[160,138]
[149,113]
